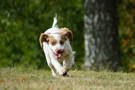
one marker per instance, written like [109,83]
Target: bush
[126,12]
[22,22]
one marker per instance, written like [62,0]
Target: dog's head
[56,41]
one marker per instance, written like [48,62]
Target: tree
[101,35]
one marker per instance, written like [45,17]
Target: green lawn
[31,79]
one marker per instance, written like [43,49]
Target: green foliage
[126,12]
[22,22]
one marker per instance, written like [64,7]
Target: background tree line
[21,23]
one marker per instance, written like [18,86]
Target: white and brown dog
[57,49]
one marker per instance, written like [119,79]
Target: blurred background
[104,32]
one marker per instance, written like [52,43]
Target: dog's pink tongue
[58,56]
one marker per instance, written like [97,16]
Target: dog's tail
[55,21]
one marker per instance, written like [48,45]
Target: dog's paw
[65,74]
[62,72]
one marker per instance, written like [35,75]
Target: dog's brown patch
[66,34]
[43,38]
[46,38]
[52,40]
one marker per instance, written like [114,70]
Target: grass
[31,79]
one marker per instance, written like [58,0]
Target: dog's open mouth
[58,55]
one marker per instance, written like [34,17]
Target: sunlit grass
[29,79]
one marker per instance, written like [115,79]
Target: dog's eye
[61,42]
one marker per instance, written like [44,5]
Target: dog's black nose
[59,51]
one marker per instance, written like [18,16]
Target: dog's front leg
[68,62]
[59,68]
[46,51]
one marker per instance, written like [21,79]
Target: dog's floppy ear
[43,38]
[66,33]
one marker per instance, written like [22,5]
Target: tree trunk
[102,49]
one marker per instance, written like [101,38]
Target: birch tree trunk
[102,49]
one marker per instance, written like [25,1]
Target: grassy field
[31,79]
